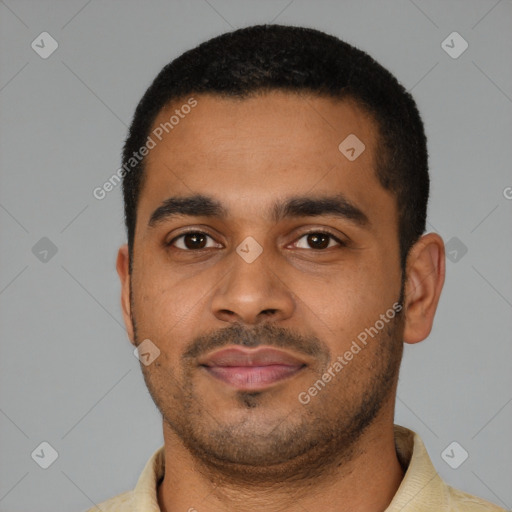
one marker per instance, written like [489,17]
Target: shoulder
[120,503]
[463,502]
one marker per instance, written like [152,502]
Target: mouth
[252,369]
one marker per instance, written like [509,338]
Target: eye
[192,241]
[318,240]
[198,240]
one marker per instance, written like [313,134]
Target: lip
[251,369]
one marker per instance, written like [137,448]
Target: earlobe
[424,283]
[123,270]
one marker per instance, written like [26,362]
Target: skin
[237,451]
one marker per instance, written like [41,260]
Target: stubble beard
[304,444]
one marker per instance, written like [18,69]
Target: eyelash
[195,232]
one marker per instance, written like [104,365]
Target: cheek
[348,301]
[168,310]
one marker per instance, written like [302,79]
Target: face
[262,257]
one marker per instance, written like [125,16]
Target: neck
[364,482]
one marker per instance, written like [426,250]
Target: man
[276,187]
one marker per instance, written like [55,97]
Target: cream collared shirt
[421,490]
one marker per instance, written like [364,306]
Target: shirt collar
[421,489]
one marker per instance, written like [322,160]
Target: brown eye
[318,241]
[192,241]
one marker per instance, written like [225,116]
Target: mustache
[264,334]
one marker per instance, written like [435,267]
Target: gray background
[68,374]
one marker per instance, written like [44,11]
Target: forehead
[248,152]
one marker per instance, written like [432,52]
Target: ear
[123,270]
[425,278]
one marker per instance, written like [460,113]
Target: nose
[253,292]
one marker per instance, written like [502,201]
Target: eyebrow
[298,206]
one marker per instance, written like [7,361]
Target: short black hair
[271,57]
